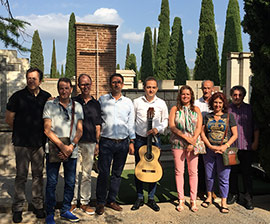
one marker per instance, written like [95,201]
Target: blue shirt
[117,117]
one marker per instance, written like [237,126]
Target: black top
[215,130]
[92,117]
[28,126]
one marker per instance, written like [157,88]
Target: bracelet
[227,144]
[131,141]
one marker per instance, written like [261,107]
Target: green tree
[257,24]
[118,66]
[36,56]
[62,71]
[11,29]
[127,57]
[154,45]
[71,49]
[207,61]
[147,55]
[232,37]
[132,64]
[163,41]
[53,73]
[177,67]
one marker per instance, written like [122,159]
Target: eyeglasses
[116,82]
[86,85]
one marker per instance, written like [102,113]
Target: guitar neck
[149,137]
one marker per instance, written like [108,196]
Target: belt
[114,140]
[141,138]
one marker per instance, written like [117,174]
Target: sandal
[180,206]
[206,204]
[193,206]
[224,210]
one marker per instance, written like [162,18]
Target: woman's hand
[221,149]
[190,148]
[190,140]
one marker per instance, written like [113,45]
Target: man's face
[116,85]
[207,89]
[150,88]
[32,80]
[237,97]
[85,85]
[64,90]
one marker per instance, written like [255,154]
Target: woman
[185,122]
[214,126]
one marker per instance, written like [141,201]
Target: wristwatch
[131,141]
[73,144]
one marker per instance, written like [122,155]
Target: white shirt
[160,120]
[204,106]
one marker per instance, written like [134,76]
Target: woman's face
[217,105]
[185,97]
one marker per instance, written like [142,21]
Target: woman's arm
[234,136]
[198,128]
[206,141]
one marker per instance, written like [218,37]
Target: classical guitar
[148,168]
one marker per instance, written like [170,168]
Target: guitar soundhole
[148,157]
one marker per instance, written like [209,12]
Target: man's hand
[67,150]
[254,145]
[131,149]
[96,151]
[153,131]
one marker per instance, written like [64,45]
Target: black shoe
[152,204]
[248,205]
[232,198]
[138,203]
[17,217]
[40,213]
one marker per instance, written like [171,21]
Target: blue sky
[51,18]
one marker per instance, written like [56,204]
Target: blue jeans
[139,184]
[52,170]
[108,151]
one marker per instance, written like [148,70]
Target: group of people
[114,126]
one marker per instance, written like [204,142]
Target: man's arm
[79,132]
[10,118]
[97,138]
[255,142]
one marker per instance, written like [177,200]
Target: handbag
[199,148]
[230,156]
[53,148]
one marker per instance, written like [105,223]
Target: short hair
[116,75]
[207,80]
[149,78]
[83,74]
[220,96]
[32,69]
[240,88]
[64,79]
[179,103]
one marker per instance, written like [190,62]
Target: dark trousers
[140,141]
[110,151]
[245,158]
[201,175]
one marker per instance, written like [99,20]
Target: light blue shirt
[117,117]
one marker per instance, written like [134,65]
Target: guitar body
[149,170]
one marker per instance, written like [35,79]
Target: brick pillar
[96,54]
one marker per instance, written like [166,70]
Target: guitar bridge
[148,171]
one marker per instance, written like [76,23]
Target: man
[58,121]
[24,116]
[117,138]
[202,103]
[88,144]
[159,124]
[247,142]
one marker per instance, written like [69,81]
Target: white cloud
[133,37]
[189,32]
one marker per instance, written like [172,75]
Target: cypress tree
[147,55]
[154,45]
[132,63]
[71,49]
[177,67]
[127,56]
[207,62]
[53,73]
[62,71]
[256,23]
[118,66]
[163,41]
[232,36]
[36,57]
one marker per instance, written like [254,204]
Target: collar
[144,98]
[111,97]
[57,101]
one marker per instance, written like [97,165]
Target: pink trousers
[179,163]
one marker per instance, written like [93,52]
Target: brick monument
[96,54]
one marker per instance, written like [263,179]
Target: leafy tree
[155,45]
[257,24]
[207,62]
[62,71]
[117,66]
[36,56]
[71,49]
[127,57]
[147,55]
[132,64]
[53,73]
[232,36]
[163,41]
[177,67]
[11,29]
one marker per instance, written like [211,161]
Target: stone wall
[96,54]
